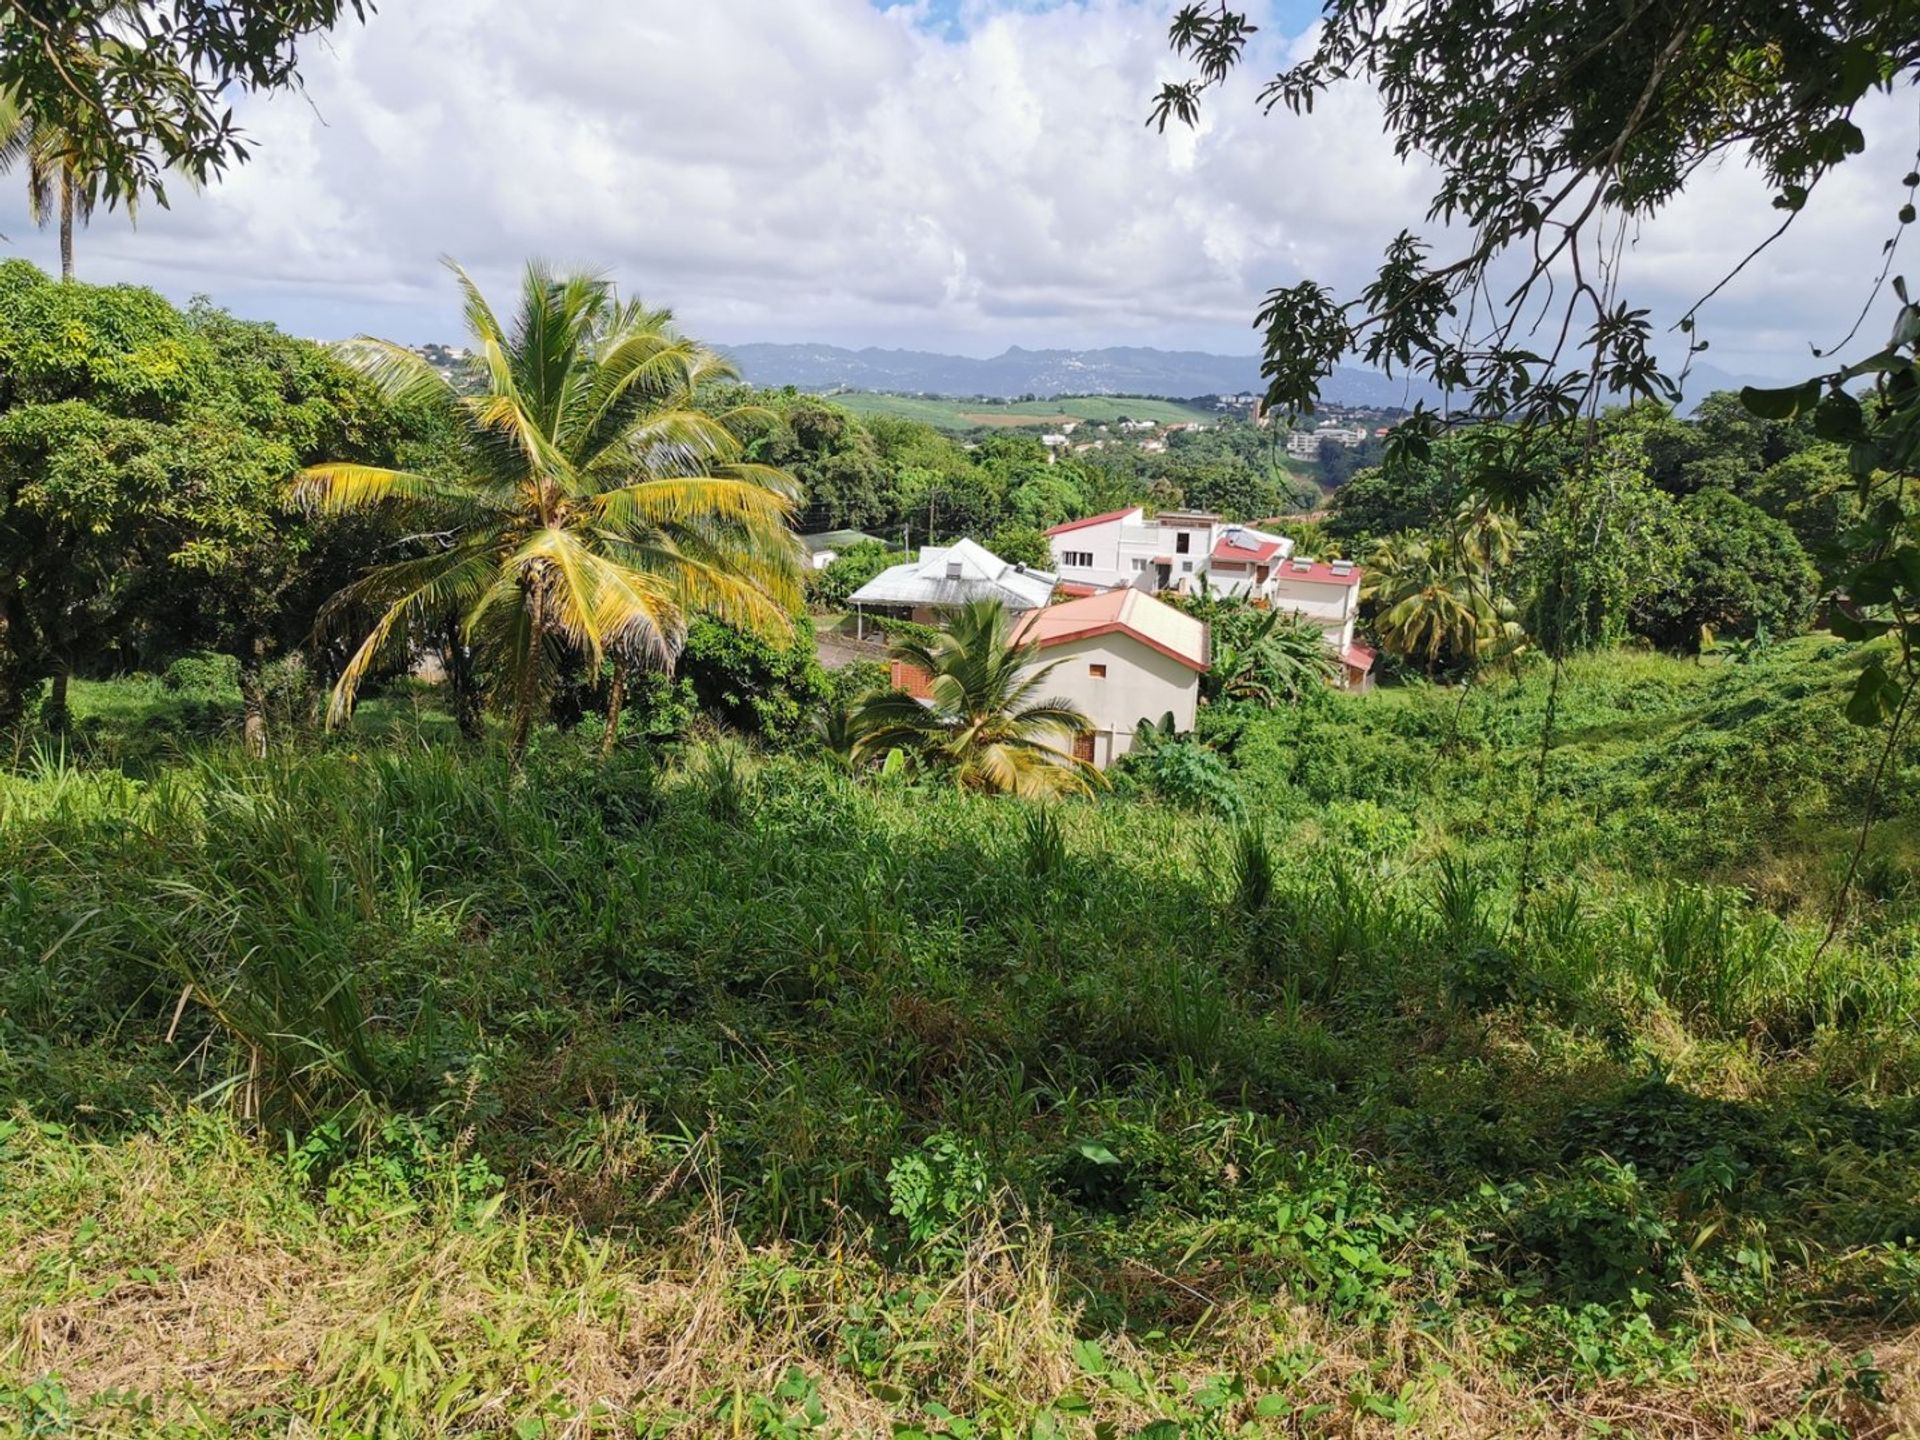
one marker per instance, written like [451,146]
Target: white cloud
[832,171]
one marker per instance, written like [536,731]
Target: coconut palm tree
[1432,600]
[591,508]
[55,182]
[981,721]
[1284,659]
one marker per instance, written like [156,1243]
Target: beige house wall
[1140,684]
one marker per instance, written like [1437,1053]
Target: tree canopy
[140,87]
[145,450]
[1600,117]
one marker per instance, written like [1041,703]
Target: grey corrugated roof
[983,576]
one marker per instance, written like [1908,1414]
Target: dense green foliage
[898,477]
[142,505]
[1742,573]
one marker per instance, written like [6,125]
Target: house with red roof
[1181,550]
[1120,657]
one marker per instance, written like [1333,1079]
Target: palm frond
[399,374]
[335,489]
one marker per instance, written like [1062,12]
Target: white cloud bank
[826,170]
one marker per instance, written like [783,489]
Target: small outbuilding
[826,546]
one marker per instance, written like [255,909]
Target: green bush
[204,675]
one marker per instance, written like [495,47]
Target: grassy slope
[1212,1151]
[1037,414]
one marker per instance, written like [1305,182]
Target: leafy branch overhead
[1597,117]
[140,87]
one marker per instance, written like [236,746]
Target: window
[1183,544]
[1186,567]
[1082,559]
[1098,672]
[1139,565]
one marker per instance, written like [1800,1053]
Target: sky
[956,175]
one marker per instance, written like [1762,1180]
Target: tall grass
[1233,1094]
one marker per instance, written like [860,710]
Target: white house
[1124,547]
[945,577]
[1122,657]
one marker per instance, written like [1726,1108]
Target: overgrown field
[368,1091]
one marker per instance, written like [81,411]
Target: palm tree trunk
[615,700]
[66,221]
[253,701]
[527,687]
[55,715]
[462,683]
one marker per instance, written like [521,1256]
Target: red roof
[1318,572]
[1358,657]
[1152,622]
[1094,520]
[1252,554]
[1076,588]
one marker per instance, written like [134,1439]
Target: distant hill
[970,414]
[1120,370]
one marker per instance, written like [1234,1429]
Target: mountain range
[1117,370]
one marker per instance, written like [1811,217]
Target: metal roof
[946,577]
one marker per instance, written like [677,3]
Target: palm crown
[981,720]
[1434,600]
[592,507]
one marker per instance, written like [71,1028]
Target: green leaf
[1876,695]
[1863,457]
[1838,417]
[1849,627]
[1088,1355]
[1096,1152]
[1875,584]
[1780,404]
[1270,1407]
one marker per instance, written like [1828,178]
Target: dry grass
[207,1283]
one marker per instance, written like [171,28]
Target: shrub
[1182,772]
[849,570]
[1741,573]
[203,674]
[754,684]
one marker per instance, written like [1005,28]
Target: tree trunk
[527,685]
[253,699]
[66,221]
[616,698]
[55,715]
[462,683]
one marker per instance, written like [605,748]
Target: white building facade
[1179,550]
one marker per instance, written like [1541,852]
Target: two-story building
[1178,550]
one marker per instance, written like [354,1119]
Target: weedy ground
[370,1091]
